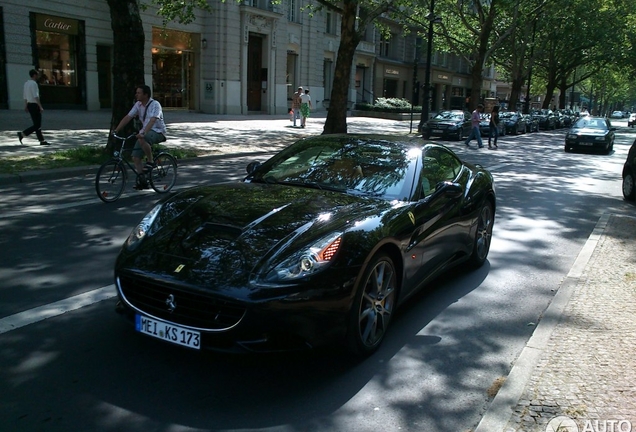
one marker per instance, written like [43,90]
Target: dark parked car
[454,124]
[567,117]
[532,123]
[320,244]
[591,133]
[547,120]
[629,174]
[484,126]
[514,122]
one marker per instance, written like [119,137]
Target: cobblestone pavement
[587,373]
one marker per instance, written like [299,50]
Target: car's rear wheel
[483,236]
[629,186]
[373,306]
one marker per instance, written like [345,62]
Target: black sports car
[629,174]
[317,245]
[591,133]
[454,124]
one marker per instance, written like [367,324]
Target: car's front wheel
[629,186]
[483,236]
[373,306]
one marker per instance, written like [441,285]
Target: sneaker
[44,143]
[20,136]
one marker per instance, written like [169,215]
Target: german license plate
[437,131]
[168,332]
[586,143]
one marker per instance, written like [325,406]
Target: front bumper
[271,320]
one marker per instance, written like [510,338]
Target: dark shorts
[151,137]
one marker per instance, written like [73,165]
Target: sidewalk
[578,366]
[212,135]
[578,369]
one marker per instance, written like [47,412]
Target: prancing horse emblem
[172,305]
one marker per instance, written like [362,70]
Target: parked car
[629,174]
[547,121]
[513,121]
[453,124]
[532,123]
[631,120]
[591,133]
[318,245]
[618,115]
[567,117]
[484,126]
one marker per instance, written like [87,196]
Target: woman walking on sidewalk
[305,107]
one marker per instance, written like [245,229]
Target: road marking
[51,310]
[38,209]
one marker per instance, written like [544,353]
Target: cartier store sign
[56,24]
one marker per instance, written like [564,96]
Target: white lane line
[34,315]
[48,208]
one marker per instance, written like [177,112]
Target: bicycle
[112,175]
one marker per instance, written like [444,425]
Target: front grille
[193,309]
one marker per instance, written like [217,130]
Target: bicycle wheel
[110,180]
[164,176]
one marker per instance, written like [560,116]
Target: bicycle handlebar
[121,137]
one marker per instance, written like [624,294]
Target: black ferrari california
[318,245]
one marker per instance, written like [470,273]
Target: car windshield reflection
[371,168]
[590,123]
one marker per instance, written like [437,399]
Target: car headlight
[572,136]
[141,230]
[307,261]
[600,138]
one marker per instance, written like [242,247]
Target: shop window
[57,55]
[56,58]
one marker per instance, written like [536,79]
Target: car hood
[434,122]
[588,131]
[219,236]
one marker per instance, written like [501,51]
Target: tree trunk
[128,58]
[336,121]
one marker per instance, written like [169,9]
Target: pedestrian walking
[494,127]
[305,107]
[475,119]
[296,105]
[33,106]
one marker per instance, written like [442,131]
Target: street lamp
[432,19]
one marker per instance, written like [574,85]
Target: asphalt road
[86,369]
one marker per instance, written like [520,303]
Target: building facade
[242,57]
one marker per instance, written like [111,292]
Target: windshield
[590,123]
[348,164]
[450,115]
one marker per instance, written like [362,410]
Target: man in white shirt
[153,128]
[33,106]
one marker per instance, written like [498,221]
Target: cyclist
[152,130]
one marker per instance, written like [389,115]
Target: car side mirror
[449,188]
[252,167]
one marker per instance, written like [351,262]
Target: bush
[393,105]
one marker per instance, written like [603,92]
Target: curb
[62,173]
[500,411]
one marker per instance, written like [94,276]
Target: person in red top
[474,132]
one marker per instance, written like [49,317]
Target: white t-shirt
[153,108]
[305,98]
[31,91]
